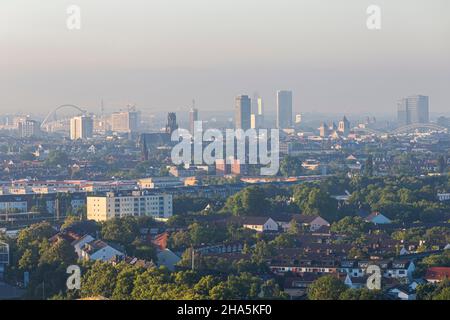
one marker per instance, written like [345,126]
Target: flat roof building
[137,204]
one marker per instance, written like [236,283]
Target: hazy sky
[160,54]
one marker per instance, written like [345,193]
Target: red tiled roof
[438,273]
[161,240]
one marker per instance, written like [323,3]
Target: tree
[57,158]
[361,294]
[125,282]
[284,240]
[69,221]
[121,230]
[443,295]
[99,280]
[368,168]
[442,164]
[28,260]
[262,251]
[294,228]
[353,227]
[431,291]
[250,201]
[156,284]
[326,288]
[59,252]
[290,167]
[221,292]
[205,284]
[313,201]
[142,250]
[32,235]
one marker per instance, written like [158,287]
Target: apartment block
[137,204]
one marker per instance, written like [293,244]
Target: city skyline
[330,62]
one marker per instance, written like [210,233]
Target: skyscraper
[260,113]
[260,107]
[257,116]
[193,116]
[242,112]
[402,112]
[418,109]
[29,128]
[125,122]
[284,109]
[81,127]
[413,109]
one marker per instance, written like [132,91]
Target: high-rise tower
[242,112]
[284,109]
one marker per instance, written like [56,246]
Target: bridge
[415,126]
[403,129]
[53,112]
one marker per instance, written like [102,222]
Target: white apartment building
[81,127]
[139,203]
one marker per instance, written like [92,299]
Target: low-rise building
[437,274]
[159,182]
[313,222]
[378,218]
[100,250]
[259,224]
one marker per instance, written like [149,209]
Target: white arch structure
[415,126]
[72,106]
[404,129]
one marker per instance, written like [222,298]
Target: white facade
[78,245]
[318,223]
[81,128]
[105,253]
[269,225]
[102,208]
[29,128]
[444,197]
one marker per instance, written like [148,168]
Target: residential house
[402,292]
[79,244]
[356,282]
[133,261]
[296,287]
[377,218]
[400,269]
[437,274]
[100,250]
[229,247]
[167,258]
[314,223]
[259,224]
